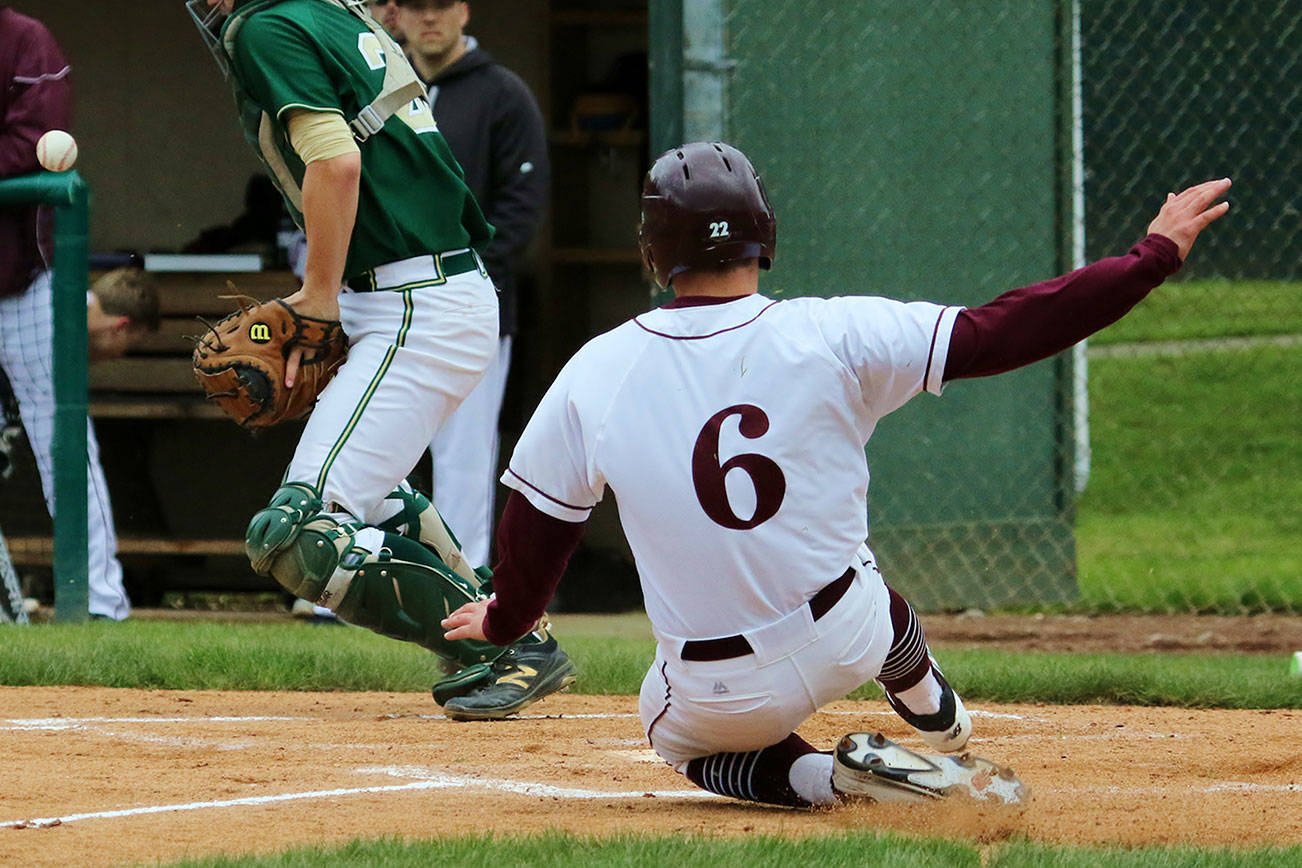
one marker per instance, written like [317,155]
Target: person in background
[36,98]
[386,12]
[121,308]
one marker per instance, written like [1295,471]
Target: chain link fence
[1196,398]
[1159,470]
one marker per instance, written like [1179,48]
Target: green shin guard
[401,594]
[273,528]
[419,520]
[403,591]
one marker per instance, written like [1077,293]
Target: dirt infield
[1256,634]
[98,777]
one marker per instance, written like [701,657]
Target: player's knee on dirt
[276,525]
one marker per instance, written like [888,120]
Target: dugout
[900,163]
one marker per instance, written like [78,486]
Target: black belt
[447,265]
[727,647]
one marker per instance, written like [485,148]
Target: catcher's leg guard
[418,519]
[274,527]
[399,589]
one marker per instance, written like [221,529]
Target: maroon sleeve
[38,94]
[533,550]
[1032,323]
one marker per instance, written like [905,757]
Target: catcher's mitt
[240,362]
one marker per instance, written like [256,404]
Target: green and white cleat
[869,765]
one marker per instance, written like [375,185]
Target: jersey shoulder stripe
[542,493]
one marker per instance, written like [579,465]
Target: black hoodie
[495,129]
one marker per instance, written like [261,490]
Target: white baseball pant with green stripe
[416,350]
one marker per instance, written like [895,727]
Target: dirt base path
[98,777]
[1257,634]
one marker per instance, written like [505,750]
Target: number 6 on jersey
[709,476]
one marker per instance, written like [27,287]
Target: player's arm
[1037,321]
[331,181]
[554,488]
[40,99]
[533,551]
[280,67]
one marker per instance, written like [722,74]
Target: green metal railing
[70,196]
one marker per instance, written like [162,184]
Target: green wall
[915,150]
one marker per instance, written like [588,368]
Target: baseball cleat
[872,766]
[948,729]
[520,677]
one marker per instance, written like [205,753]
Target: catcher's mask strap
[208,19]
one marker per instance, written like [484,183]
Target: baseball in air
[56,151]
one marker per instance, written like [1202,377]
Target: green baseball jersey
[315,55]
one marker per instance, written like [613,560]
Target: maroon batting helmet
[703,206]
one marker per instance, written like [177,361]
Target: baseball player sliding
[731,429]
[343,124]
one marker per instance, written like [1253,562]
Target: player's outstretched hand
[1188,212]
[466,622]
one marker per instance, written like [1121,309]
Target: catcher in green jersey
[341,121]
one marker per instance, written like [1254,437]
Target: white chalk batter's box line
[67,723]
[62,723]
[427,779]
[431,779]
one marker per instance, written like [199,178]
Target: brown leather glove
[240,362]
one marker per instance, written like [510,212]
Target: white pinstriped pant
[26,353]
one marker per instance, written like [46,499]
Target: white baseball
[56,151]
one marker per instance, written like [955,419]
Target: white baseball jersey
[732,435]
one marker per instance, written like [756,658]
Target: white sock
[811,778]
[923,697]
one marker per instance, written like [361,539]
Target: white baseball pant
[26,352]
[694,708]
[414,355]
[464,460]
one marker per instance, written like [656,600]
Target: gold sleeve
[320,135]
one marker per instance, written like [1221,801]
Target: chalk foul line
[428,780]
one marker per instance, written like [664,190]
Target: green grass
[846,849]
[1193,496]
[1199,309]
[291,656]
